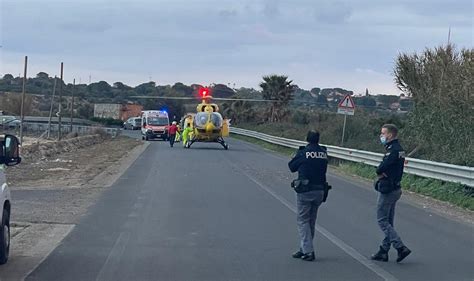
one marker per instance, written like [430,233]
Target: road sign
[346,106]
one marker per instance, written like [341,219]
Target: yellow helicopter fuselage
[208,124]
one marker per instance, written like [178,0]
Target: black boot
[403,252]
[308,257]
[298,254]
[381,255]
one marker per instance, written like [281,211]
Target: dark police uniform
[311,163]
[390,192]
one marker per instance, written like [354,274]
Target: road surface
[209,214]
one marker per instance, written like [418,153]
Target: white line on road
[114,257]
[331,237]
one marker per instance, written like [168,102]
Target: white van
[155,124]
[9,156]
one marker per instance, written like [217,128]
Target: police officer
[311,163]
[389,174]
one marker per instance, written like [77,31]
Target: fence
[41,129]
[424,168]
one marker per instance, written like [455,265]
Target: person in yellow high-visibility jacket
[178,134]
[187,130]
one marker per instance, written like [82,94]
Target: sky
[317,43]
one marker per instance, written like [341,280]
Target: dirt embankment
[69,163]
[45,149]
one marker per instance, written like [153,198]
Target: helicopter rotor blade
[193,98]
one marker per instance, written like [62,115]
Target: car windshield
[158,121]
[138,120]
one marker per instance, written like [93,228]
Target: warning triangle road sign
[347,102]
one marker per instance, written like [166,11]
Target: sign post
[346,107]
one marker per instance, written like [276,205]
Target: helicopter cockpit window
[216,119]
[201,119]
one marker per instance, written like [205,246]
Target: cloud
[270,8]
[332,12]
[226,14]
[316,42]
[85,26]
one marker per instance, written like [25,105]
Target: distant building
[117,111]
[131,110]
[107,110]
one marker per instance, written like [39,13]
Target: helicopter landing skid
[221,141]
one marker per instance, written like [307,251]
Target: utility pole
[72,104]
[60,101]
[22,109]
[343,130]
[51,107]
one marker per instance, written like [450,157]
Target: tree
[406,104]
[315,91]
[173,107]
[146,89]
[366,101]
[280,90]
[322,100]
[121,86]
[387,100]
[12,103]
[100,88]
[222,91]
[440,83]
[42,75]
[248,93]
[238,111]
[182,90]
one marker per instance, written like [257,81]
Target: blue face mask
[383,140]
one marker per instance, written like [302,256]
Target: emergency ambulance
[9,156]
[155,124]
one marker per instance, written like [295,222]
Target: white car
[133,123]
[9,122]
[9,156]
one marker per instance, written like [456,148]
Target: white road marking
[116,253]
[331,237]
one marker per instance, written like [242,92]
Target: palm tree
[280,90]
[238,111]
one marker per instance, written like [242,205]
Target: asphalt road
[210,214]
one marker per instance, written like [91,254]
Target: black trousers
[172,138]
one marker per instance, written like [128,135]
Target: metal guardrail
[54,120]
[40,129]
[423,168]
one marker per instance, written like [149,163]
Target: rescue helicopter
[207,125]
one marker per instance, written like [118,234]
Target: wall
[107,110]
[130,110]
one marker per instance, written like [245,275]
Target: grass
[456,194]
[270,146]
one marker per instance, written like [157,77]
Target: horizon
[235,89]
